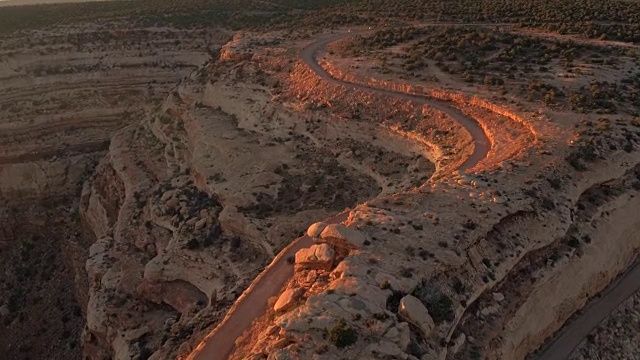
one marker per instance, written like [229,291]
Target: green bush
[342,335]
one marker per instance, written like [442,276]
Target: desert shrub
[573,242]
[469,224]
[193,244]
[342,335]
[393,301]
[583,153]
[438,303]
[458,286]
[576,163]
[548,204]
[475,353]
[411,251]
[235,242]
[556,183]
[406,272]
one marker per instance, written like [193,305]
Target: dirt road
[253,303]
[219,344]
[221,341]
[482,145]
[592,315]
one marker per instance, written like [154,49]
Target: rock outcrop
[316,229]
[64,93]
[316,257]
[191,202]
[342,236]
[470,247]
[287,299]
[412,310]
[197,191]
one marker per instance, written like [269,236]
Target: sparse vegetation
[469,224]
[458,286]
[494,59]
[573,242]
[342,335]
[439,304]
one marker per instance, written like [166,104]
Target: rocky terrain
[616,338]
[63,95]
[178,211]
[67,92]
[480,270]
[221,179]
[150,176]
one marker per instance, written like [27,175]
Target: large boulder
[343,236]
[316,257]
[287,299]
[456,345]
[316,229]
[400,335]
[412,310]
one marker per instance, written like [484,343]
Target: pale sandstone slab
[344,235]
[414,311]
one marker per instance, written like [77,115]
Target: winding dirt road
[481,142]
[598,309]
[253,303]
[221,341]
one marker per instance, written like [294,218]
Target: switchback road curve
[219,344]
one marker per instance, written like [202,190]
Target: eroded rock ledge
[482,252]
[191,203]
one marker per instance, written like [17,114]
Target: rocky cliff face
[159,210]
[190,203]
[63,94]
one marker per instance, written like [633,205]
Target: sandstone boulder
[385,281]
[343,236]
[277,345]
[316,229]
[200,224]
[457,343]
[412,310]
[287,299]
[272,330]
[316,257]
[489,310]
[172,202]
[400,335]
[167,195]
